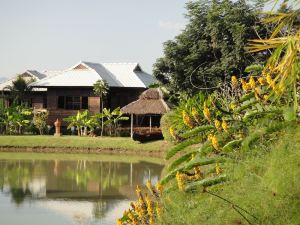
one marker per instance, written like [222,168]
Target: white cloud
[170,25]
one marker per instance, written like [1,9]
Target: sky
[56,34]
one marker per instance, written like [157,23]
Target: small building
[63,93]
[150,105]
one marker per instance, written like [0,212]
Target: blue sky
[55,34]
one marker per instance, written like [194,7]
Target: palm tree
[19,89]
[101,89]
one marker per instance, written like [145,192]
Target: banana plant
[112,119]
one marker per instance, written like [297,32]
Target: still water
[57,191]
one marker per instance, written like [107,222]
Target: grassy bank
[264,182]
[121,143]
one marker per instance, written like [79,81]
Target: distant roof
[150,102]
[27,75]
[85,74]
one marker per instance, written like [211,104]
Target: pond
[52,189]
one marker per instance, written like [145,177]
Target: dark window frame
[72,102]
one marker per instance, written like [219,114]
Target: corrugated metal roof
[116,74]
[27,75]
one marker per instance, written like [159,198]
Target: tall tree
[211,47]
[101,89]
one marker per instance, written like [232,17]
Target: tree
[112,118]
[19,89]
[40,121]
[101,89]
[211,47]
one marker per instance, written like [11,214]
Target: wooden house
[63,93]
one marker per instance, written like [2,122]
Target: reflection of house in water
[37,187]
[76,189]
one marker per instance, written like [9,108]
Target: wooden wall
[55,113]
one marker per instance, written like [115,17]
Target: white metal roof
[27,75]
[116,74]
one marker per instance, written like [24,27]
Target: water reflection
[77,191]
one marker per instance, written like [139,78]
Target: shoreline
[82,150]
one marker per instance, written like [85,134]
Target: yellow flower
[151,220]
[149,185]
[269,79]
[195,114]
[187,119]
[245,86]
[210,136]
[133,219]
[158,209]
[149,205]
[262,81]
[257,93]
[181,178]
[172,132]
[159,187]
[197,171]
[138,190]
[218,169]
[234,82]
[224,125]
[218,125]
[215,142]
[252,82]
[266,97]
[120,222]
[233,105]
[206,111]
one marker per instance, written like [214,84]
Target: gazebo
[150,103]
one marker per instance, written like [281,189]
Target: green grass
[83,142]
[264,181]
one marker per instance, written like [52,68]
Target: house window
[84,102]
[73,102]
[61,102]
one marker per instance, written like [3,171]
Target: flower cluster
[206,112]
[214,141]
[146,210]
[187,120]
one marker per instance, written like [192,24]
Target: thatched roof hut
[150,102]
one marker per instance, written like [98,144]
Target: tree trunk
[102,119]
[85,131]
[78,130]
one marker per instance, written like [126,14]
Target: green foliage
[15,119]
[205,182]
[101,89]
[181,146]
[82,121]
[165,125]
[112,119]
[211,47]
[19,90]
[40,121]
[264,184]
[196,131]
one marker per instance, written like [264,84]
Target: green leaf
[202,162]
[180,160]
[228,147]
[196,131]
[181,146]
[205,182]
